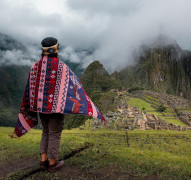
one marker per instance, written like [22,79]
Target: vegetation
[135,89]
[96,78]
[73,121]
[8,117]
[141,104]
[165,154]
[161,108]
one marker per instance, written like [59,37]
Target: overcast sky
[114,28]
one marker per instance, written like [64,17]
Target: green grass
[151,99]
[182,108]
[139,103]
[166,154]
[174,121]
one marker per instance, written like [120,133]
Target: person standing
[52,90]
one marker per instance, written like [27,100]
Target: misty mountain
[13,52]
[161,66]
[9,43]
[164,68]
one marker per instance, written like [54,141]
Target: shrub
[161,108]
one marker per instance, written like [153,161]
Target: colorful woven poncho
[52,88]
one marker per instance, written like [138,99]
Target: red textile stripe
[90,109]
[52,83]
[17,132]
[37,85]
[33,75]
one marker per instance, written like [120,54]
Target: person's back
[52,123]
[52,90]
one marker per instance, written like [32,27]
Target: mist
[113,29]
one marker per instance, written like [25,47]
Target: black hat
[49,41]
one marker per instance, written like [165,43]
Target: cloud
[114,29]
[14,57]
[141,23]
[111,8]
[69,54]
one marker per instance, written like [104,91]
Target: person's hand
[13,135]
[105,124]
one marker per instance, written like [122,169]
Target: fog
[113,29]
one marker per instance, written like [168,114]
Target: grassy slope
[166,154]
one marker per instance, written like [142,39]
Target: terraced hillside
[154,105]
[144,110]
[167,115]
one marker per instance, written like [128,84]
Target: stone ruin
[128,117]
[132,118]
[173,101]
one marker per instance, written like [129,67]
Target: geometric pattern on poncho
[52,88]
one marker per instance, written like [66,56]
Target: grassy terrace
[165,154]
[167,116]
[184,110]
[151,99]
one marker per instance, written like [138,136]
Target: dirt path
[29,168]
[69,172]
[109,173]
[17,165]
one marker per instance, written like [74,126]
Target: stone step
[171,118]
[151,102]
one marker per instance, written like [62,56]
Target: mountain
[160,66]
[12,74]
[163,68]
[14,59]
[97,76]
[9,43]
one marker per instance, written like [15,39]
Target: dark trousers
[52,128]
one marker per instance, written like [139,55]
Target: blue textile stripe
[20,127]
[26,95]
[99,116]
[75,100]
